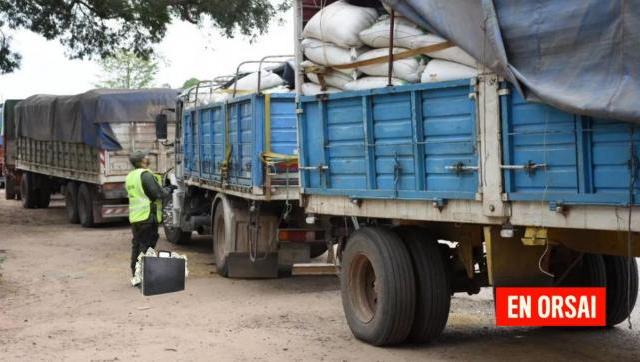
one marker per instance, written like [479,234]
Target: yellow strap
[279,158]
[267,122]
[224,168]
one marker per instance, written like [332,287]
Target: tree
[190,83]
[101,28]
[127,70]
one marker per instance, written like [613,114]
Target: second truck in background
[80,145]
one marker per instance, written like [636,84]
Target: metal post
[297,38]
[391,33]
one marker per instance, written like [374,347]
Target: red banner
[554,306]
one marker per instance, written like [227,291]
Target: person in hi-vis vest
[145,205]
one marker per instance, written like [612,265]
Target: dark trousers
[145,235]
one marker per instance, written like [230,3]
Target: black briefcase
[162,275]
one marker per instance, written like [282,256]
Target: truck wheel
[590,272]
[85,206]
[220,234]
[175,235]
[10,191]
[27,190]
[71,202]
[378,287]
[622,287]
[44,197]
[433,285]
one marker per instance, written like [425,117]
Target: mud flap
[240,266]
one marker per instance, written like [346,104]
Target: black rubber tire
[316,250]
[433,284]
[175,235]
[71,202]
[10,188]
[590,272]
[85,206]
[44,196]
[620,285]
[378,287]
[220,232]
[28,192]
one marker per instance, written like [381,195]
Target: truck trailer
[447,187]
[80,145]
[427,189]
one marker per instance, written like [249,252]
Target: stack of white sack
[447,64]
[269,83]
[331,37]
[341,34]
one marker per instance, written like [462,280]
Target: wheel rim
[363,290]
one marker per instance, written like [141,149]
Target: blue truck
[237,178]
[426,190]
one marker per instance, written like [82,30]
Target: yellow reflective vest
[139,203]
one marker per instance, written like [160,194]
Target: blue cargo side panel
[390,143]
[233,133]
[283,125]
[586,160]
[241,140]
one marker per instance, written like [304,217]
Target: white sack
[410,36]
[441,70]
[278,89]
[332,78]
[328,54]
[406,34]
[454,54]
[312,89]
[372,82]
[340,23]
[249,83]
[408,69]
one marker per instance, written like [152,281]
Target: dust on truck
[524,193]
[80,145]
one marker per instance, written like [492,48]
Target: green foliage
[127,70]
[101,28]
[191,82]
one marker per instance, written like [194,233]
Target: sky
[189,52]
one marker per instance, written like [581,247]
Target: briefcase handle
[161,252]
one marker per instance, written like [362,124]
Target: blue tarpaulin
[582,56]
[87,117]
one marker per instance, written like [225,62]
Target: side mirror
[161,126]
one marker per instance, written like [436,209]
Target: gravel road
[65,294]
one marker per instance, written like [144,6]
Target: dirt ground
[65,295]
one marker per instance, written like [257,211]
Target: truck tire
[377,284]
[44,194]
[175,235]
[433,284]
[85,206]
[622,287]
[28,192]
[71,202]
[220,234]
[11,189]
[590,272]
